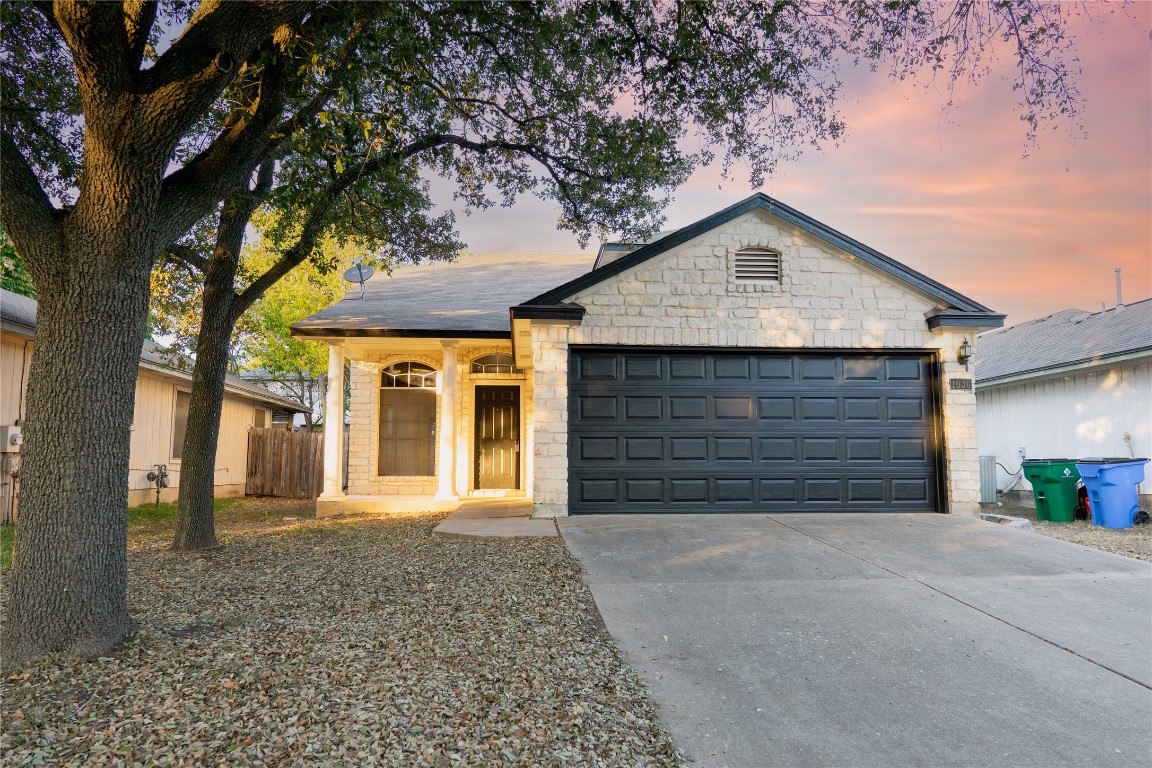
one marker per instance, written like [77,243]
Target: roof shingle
[1063,338]
[469,295]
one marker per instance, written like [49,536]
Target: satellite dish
[358,273]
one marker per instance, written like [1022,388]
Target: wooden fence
[283,463]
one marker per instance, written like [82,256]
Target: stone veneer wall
[687,297]
[364,429]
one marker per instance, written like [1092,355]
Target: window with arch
[499,362]
[407,420]
[408,374]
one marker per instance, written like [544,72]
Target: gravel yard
[1131,542]
[363,641]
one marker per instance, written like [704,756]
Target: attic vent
[757,265]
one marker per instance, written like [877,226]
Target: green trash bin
[1053,487]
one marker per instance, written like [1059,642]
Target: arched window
[407,420]
[408,374]
[499,362]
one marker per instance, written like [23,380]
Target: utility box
[987,479]
[11,438]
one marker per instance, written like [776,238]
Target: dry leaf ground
[363,641]
[1135,541]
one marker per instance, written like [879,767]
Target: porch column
[334,426]
[447,469]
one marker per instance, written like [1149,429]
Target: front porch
[435,423]
[354,504]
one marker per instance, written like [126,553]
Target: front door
[497,437]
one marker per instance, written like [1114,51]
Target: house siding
[153,424]
[152,427]
[13,373]
[826,299]
[1068,416]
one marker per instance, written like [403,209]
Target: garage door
[714,431]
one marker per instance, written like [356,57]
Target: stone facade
[364,427]
[688,297]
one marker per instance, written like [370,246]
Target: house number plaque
[959,383]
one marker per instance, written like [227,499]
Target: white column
[334,426]
[446,472]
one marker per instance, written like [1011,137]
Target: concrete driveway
[877,640]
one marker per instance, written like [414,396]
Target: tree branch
[187,255]
[139,16]
[27,212]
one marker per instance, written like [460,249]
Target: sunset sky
[950,193]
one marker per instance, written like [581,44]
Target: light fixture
[964,354]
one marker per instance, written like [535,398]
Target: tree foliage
[13,271]
[125,125]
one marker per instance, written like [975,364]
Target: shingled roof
[1066,338]
[466,297]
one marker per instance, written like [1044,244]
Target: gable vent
[757,265]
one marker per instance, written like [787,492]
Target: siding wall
[152,433]
[1067,417]
[12,362]
[152,425]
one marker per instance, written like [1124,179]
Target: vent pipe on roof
[1119,296]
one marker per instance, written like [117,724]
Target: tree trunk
[195,521]
[69,583]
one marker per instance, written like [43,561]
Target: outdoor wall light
[964,354]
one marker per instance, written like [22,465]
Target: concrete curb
[495,527]
[1011,522]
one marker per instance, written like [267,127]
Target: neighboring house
[756,360]
[161,411]
[303,389]
[1069,385]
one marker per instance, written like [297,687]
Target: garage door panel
[817,369]
[688,449]
[732,368]
[645,407]
[726,432]
[597,448]
[680,408]
[596,408]
[641,368]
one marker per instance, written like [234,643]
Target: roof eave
[316,332]
[940,320]
[562,312]
[1062,369]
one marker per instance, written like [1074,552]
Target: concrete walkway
[495,518]
[877,640]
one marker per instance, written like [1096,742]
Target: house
[301,387]
[161,410]
[756,360]
[1067,385]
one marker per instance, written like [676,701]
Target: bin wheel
[1141,518]
[1079,513]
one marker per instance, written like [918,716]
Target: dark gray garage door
[712,431]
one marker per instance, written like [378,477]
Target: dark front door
[497,437]
[769,431]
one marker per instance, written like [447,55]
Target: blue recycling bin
[1111,487]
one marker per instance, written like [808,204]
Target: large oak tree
[125,124]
